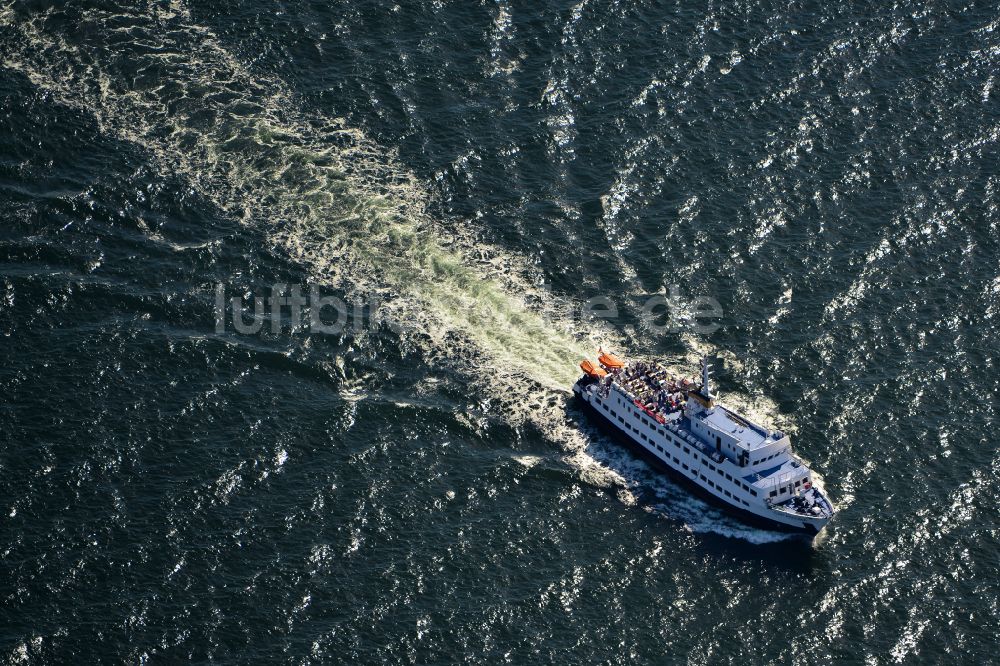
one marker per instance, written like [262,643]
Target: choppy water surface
[425,492]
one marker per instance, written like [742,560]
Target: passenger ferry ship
[747,468]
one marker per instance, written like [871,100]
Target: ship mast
[706,389]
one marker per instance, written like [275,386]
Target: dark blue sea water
[416,487]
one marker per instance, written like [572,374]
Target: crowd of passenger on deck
[650,383]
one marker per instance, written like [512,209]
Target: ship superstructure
[744,466]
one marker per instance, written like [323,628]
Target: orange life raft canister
[591,369]
[610,361]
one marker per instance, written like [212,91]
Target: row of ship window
[755,462]
[676,443]
[784,489]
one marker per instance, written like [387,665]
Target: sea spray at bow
[338,204]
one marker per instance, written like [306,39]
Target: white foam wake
[330,198]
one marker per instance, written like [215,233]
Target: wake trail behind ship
[329,197]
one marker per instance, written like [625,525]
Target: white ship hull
[671,444]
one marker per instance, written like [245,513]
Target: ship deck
[750,435]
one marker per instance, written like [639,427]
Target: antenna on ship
[706,389]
